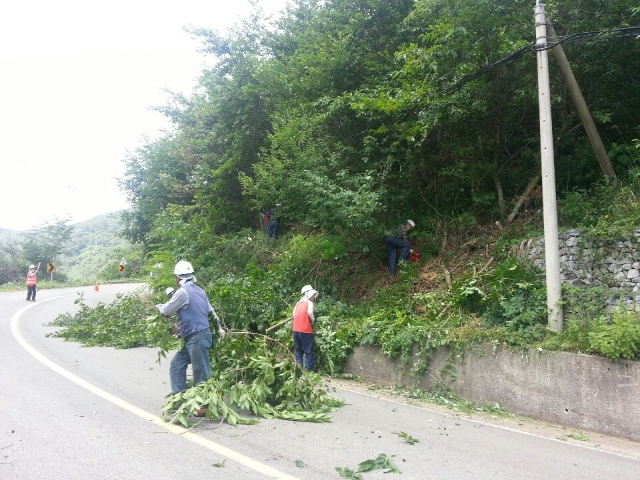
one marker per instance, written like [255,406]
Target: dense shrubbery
[353,137]
[256,374]
[253,282]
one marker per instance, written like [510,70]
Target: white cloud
[78,80]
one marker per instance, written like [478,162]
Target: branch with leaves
[253,376]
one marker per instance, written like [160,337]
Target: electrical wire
[583,37]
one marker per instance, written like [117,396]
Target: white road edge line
[178,430]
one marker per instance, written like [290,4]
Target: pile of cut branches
[257,375]
[253,375]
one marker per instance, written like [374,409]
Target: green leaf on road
[382,462]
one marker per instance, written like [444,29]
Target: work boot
[201,412]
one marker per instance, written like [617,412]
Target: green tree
[11,268]
[352,113]
[319,145]
[154,177]
[47,242]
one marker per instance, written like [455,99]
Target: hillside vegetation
[96,249]
[358,115]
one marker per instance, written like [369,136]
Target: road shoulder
[580,437]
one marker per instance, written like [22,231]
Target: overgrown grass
[616,338]
[359,305]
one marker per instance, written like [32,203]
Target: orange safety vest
[301,320]
[32,279]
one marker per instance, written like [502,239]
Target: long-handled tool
[279,324]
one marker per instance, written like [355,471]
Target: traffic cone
[95,287]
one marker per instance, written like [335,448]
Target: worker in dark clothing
[399,239]
[273,222]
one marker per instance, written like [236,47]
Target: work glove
[176,330]
[221,332]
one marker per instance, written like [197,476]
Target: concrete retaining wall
[576,390]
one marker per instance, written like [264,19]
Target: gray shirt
[179,300]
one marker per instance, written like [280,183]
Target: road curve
[69,412]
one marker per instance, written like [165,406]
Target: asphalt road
[70,412]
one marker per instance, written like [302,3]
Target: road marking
[178,430]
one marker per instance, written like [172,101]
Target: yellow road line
[178,430]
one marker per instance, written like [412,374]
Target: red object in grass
[415,256]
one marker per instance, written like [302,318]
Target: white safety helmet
[310,293]
[183,268]
[412,223]
[170,291]
[31,266]
[305,289]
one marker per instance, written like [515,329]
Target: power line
[583,37]
[588,37]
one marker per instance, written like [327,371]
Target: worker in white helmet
[192,307]
[399,240]
[32,280]
[303,337]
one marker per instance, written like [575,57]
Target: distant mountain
[5,232]
[96,249]
[97,231]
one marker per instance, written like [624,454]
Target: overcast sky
[77,79]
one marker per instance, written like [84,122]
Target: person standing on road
[191,305]
[303,320]
[32,280]
[399,239]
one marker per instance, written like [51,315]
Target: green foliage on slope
[348,113]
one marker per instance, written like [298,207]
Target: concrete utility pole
[581,106]
[550,211]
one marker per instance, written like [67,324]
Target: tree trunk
[500,192]
[533,183]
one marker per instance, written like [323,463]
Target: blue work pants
[393,243]
[272,228]
[195,352]
[303,349]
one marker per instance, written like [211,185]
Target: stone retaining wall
[576,390]
[582,262]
